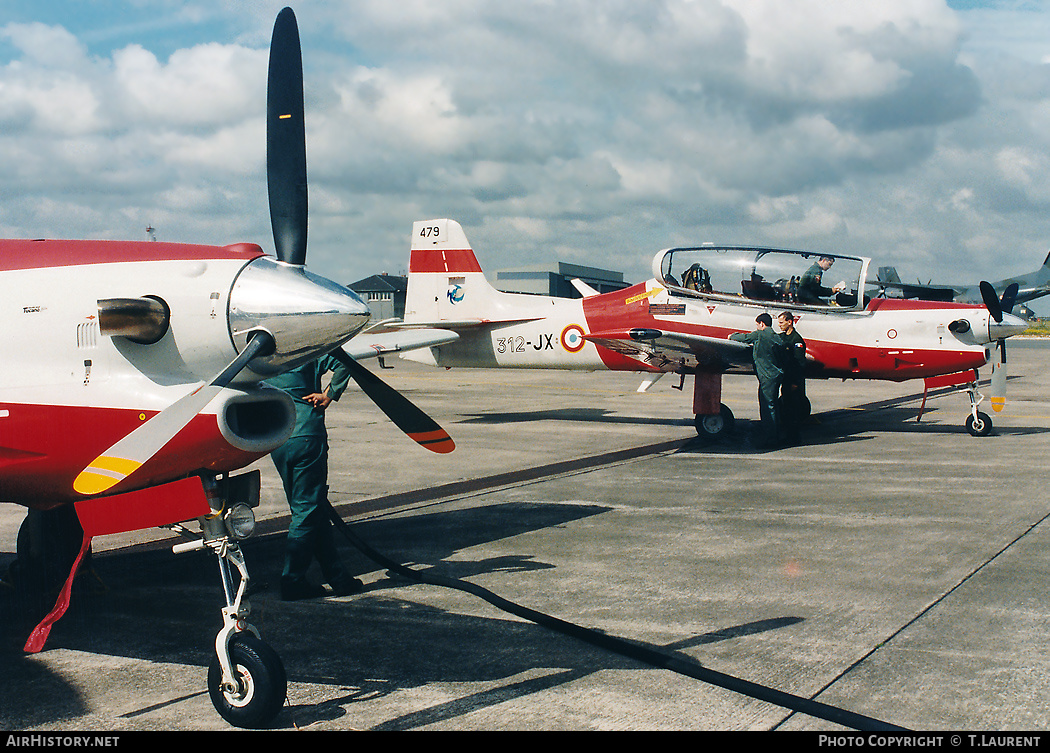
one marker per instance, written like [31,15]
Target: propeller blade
[134,449]
[1009,297]
[286,141]
[991,301]
[419,427]
[999,377]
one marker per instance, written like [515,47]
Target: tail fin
[888,274]
[441,246]
[445,281]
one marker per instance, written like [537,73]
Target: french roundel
[572,338]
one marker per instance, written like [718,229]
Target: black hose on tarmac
[644,654]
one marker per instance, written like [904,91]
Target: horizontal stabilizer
[583,288]
[372,344]
[449,324]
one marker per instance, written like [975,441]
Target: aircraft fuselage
[71,385]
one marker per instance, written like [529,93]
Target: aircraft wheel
[261,684]
[979,427]
[46,547]
[716,425]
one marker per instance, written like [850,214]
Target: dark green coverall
[302,462]
[793,386]
[810,289]
[766,349]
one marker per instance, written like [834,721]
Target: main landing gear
[715,425]
[246,679]
[713,419]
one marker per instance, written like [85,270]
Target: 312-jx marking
[518,344]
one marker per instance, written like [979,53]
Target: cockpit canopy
[781,277]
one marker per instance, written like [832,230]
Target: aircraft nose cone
[1009,326]
[307,315]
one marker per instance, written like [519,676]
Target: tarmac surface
[887,568]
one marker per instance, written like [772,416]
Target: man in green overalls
[766,351]
[302,462]
[793,383]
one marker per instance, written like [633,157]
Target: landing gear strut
[246,679]
[713,420]
[977,423]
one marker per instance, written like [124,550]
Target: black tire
[714,426]
[981,427]
[262,689]
[47,545]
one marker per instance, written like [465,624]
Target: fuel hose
[644,654]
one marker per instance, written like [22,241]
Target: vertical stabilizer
[445,281]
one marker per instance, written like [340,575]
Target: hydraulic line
[623,647]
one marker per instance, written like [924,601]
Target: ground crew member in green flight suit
[793,383]
[302,462]
[766,351]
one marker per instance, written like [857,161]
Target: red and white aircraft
[680,320]
[130,384]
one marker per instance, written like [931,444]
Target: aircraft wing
[371,344]
[667,350]
[920,291]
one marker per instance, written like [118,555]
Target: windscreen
[761,274]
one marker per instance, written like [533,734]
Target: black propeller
[286,179]
[286,141]
[991,301]
[1009,297]
[419,427]
[287,184]
[996,306]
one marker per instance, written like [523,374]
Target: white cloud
[896,129]
[205,85]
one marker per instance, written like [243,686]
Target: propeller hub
[1009,326]
[306,314]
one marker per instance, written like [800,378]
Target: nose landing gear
[978,423]
[246,679]
[255,690]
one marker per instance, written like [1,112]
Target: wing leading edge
[672,351]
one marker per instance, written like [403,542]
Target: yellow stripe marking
[104,473]
[641,296]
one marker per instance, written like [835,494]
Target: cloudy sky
[916,132]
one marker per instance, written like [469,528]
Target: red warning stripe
[436,441]
[448,260]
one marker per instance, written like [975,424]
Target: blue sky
[912,131]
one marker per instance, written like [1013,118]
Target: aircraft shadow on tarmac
[587,415]
[857,423]
[347,642]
